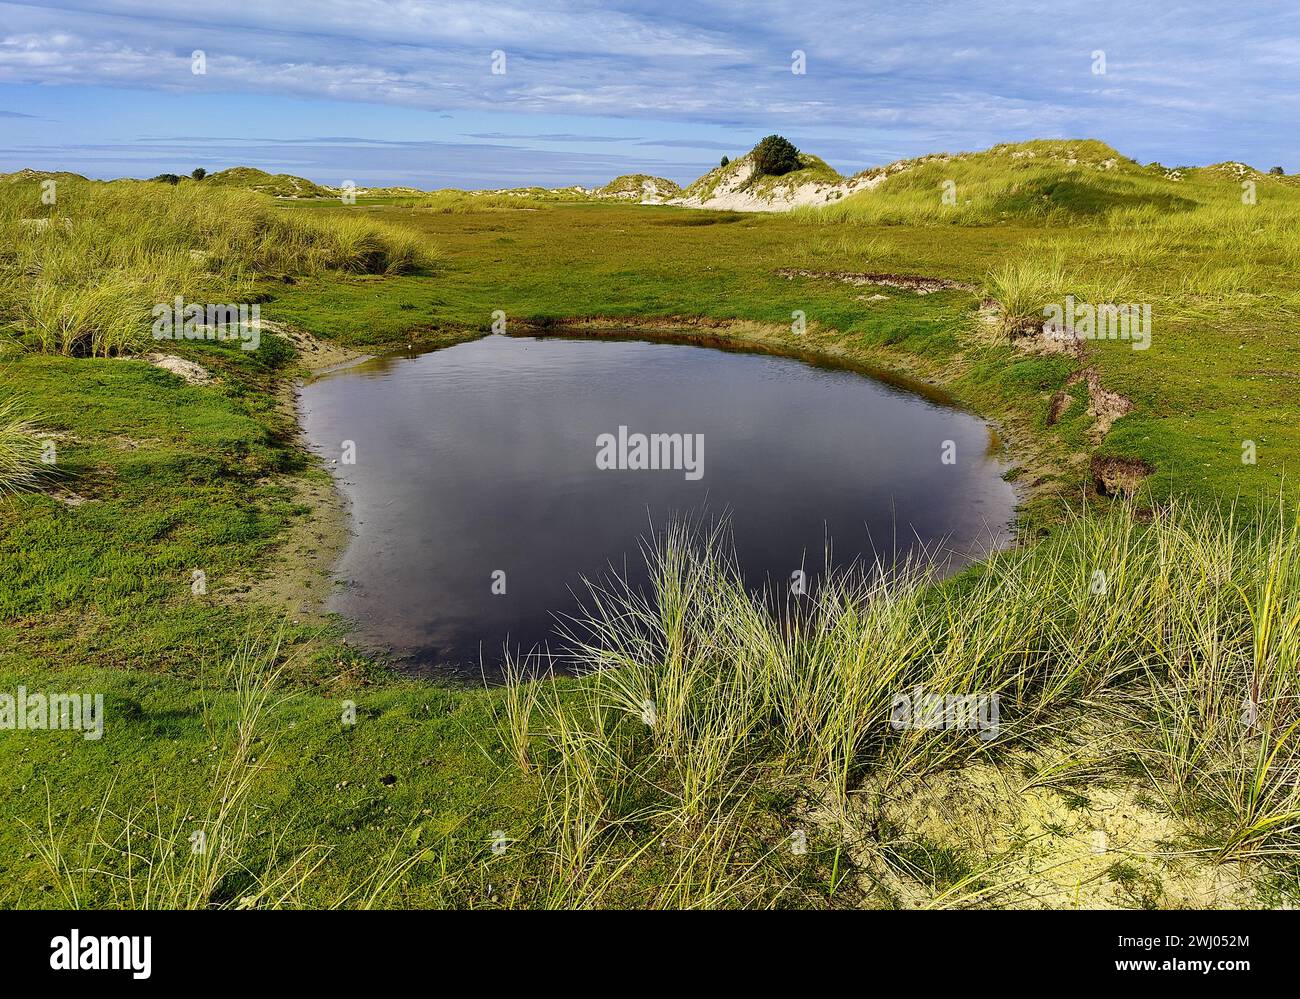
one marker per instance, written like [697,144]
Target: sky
[559,92]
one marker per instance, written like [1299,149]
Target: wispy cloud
[548,137]
[1187,80]
[688,144]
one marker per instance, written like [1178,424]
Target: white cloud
[957,72]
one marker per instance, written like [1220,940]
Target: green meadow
[1151,708]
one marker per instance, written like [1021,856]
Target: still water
[512,464]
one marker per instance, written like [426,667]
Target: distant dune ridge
[640,187]
[280,185]
[1082,176]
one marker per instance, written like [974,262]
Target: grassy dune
[1166,690]
[79,276]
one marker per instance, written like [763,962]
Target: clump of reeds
[21,448]
[1023,289]
[697,698]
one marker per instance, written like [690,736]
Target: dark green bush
[774,156]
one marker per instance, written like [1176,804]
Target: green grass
[753,732]
[527,199]
[176,478]
[758,731]
[293,803]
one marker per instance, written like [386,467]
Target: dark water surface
[483,457]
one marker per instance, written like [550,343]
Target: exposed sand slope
[735,188]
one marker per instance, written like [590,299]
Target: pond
[488,478]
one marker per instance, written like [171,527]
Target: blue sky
[402,92]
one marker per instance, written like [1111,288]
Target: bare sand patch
[1050,828]
[189,371]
